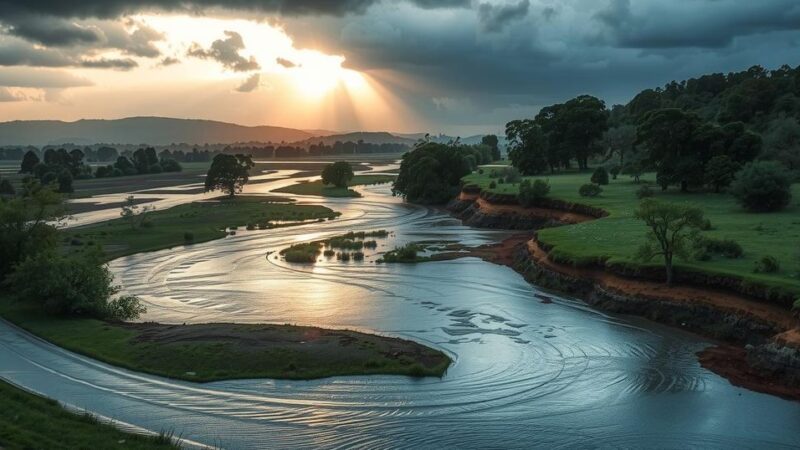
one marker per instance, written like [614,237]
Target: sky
[461,67]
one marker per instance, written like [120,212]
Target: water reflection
[526,373]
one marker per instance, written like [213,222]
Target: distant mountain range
[165,131]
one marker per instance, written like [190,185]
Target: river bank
[761,349]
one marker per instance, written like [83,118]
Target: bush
[531,193]
[170,165]
[705,247]
[590,190]
[358,256]
[767,264]
[302,253]
[644,192]
[155,168]
[492,185]
[762,186]
[76,284]
[615,171]
[600,176]
[188,237]
[511,175]
[406,253]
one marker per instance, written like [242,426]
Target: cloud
[493,18]
[16,52]
[40,78]
[110,63]
[49,31]
[226,52]
[138,42]
[698,24]
[168,61]
[250,84]
[285,62]
[108,9]
[6,95]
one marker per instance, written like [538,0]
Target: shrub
[705,247]
[492,185]
[762,186]
[329,253]
[767,264]
[302,253]
[170,165]
[358,256]
[155,168]
[250,226]
[644,192]
[590,190]
[615,170]
[511,175]
[406,253]
[76,284]
[371,244]
[480,171]
[600,176]
[188,237]
[531,193]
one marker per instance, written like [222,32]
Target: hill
[368,137]
[141,130]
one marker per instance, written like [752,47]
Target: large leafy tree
[29,161]
[431,173]
[671,227]
[490,140]
[763,186]
[228,173]
[574,128]
[669,135]
[338,174]
[527,147]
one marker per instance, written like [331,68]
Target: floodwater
[525,373]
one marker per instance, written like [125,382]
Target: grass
[324,190]
[29,421]
[193,223]
[210,352]
[615,238]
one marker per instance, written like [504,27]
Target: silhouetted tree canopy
[228,173]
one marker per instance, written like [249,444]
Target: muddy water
[526,373]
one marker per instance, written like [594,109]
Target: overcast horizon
[458,67]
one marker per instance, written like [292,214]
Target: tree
[144,159]
[338,174]
[619,141]
[125,166]
[228,173]
[29,161]
[133,214]
[76,284]
[7,189]
[720,172]
[762,186]
[431,173]
[589,190]
[65,182]
[527,146]
[782,142]
[490,140]
[671,227]
[669,137]
[600,176]
[26,223]
[575,128]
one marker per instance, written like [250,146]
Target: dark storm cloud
[494,18]
[22,53]
[49,30]
[709,24]
[226,52]
[116,8]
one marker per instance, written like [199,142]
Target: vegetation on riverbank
[208,352]
[320,189]
[616,238]
[29,421]
[192,223]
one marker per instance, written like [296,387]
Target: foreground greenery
[321,189]
[208,352]
[29,421]
[616,238]
[192,223]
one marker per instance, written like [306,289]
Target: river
[526,373]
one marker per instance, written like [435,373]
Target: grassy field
[208,352]
[204,221]
[324,190]
[32,422]
[617,236]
